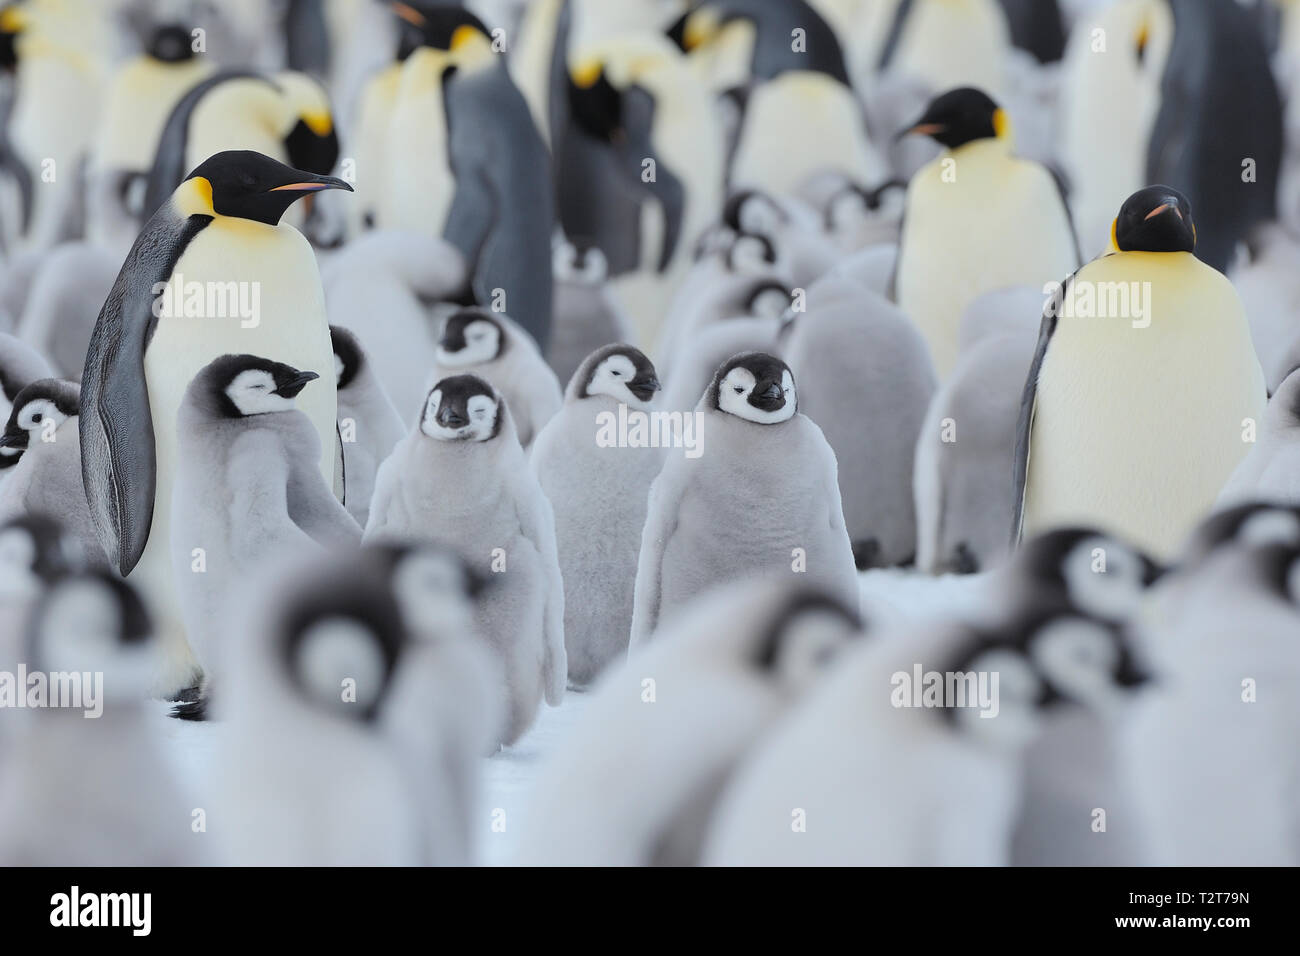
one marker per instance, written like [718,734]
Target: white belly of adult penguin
[1134,418]
[213,272]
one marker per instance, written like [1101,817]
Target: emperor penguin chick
[96,792]
[369,425]
[248,490]
[598,491]
[586,316]
[676,719]
[492,347]
[866,381]
[45,478]
[760,497]
[20,365]
[460,478]
[1271,469]
[882,794]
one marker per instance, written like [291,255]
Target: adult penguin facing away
[1134,417]
[783,66]
[502,209]
[286,117]
[220,232]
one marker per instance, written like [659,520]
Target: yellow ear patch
[1114,237]
[586,73]
[463,36]
[1001,123]
[12,20]
[319,123]
[194,197]
[700,27]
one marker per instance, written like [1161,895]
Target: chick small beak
[449,418]
[13,440]
[644,388]
[296,384]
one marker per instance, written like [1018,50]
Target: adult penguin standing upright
[286,117]
[1178,92]
[1139,406]
[640,167]
[978,218]
[500,208]
[782,64]
[220,230]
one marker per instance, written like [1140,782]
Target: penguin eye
[616,373]
[738,389]
[36,418]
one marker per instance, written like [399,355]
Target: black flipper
[117,443]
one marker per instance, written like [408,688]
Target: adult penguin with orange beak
[214,272]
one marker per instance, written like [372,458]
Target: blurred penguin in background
[587,315]
[676,719]
[1177,92]
[978,219]
[1271,469]
[95,791]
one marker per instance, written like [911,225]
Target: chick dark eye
[737,389]
[618,374]
[36,419]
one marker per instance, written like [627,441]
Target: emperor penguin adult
[369,424]
[760,495]
[1178,92]
[140,97]
[496,349]
[978,218]
[248,491]
[597,486]
[285,116]
[460,478]
[500,207]
[1125,446]
[784,66]
[640,167]
[746,654]
[948,43]
[219,232]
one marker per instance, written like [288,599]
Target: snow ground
[889,597]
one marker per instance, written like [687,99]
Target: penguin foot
[866,554]
[963,561]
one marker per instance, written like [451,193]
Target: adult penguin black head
[12,24]
[777,25]
[442,26]
[248,185]
[961,116]
[1155,219]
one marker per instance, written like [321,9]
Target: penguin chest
[976,221]
[240,288]
[417,184]
[1140,419]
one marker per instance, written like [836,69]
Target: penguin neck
[988,146]
[477,467]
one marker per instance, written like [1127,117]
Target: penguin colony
[378,375]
